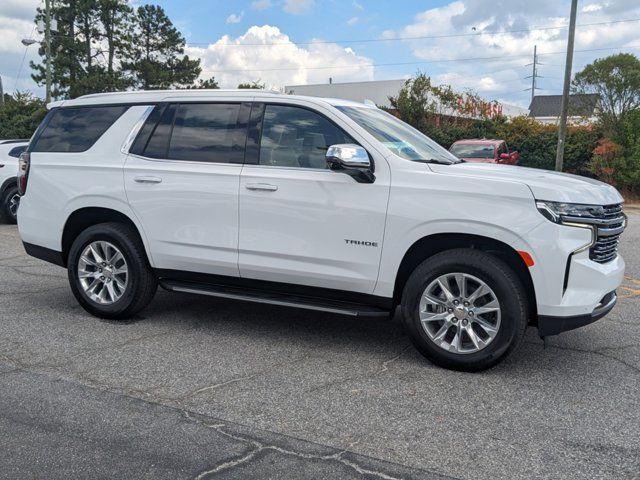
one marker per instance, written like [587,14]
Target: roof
[480,141]
[581,105]
[151,96]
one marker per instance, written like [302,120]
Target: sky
[482,45]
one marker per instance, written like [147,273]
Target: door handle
[147,179]
[261,186]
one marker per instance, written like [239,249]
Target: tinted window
[208,133]
[472,150]
[297,137]
[76,129]
[16,151]
[159,141]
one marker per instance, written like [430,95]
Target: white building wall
[378,91]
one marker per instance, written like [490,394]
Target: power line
[420,37]
[444,60]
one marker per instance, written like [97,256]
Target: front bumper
[551,325]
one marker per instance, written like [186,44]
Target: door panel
[302,223]
[190,216]
[298,233]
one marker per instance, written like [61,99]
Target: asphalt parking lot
[198,387]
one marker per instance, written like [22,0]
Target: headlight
[570,213]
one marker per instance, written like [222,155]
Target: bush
[20,115]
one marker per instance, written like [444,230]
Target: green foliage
[92,38]
[447,116]
[627,173]
[616,79]
[20,115]
[157,57]
[210,83]
[104,46]
[255,85]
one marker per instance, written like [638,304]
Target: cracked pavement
[198,387]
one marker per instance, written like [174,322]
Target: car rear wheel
[465,309]
[9,203]
[109,273]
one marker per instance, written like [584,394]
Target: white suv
[10,151]
[319,204]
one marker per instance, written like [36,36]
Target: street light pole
[47,46]
[564,108]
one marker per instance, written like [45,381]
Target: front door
[183,187]
[300,222]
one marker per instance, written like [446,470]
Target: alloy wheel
[103,272]
[14,203]
[460,313]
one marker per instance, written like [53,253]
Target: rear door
[182,183]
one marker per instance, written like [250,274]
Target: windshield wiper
[435,160]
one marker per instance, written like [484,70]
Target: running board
[273,298]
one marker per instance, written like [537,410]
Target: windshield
[471,150]
[399,138]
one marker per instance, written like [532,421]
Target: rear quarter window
[76,129]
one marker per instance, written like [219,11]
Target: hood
[544,184]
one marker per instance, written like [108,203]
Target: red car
[485,151]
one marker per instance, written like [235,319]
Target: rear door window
[76,129]
[208,132]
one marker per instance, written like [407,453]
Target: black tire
[6,215]
[141,284]
[499,277]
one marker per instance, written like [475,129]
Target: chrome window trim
[126,146]
[182,162]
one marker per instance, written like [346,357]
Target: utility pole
[564,109]
[47,47]
[534,73]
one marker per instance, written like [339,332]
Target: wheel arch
[83,218]
[430,245]
[7,183]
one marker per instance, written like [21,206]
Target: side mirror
[351,159]
[347,155]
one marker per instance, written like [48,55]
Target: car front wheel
[465,309]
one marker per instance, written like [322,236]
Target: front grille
[609,228]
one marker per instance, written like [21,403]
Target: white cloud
[235,18]
[276,61]
[261,4]
[502,76]
[298,7]
[593,7]
[352,21]
[358,6]
[16,23]
[388,34]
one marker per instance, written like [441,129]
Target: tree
[157,57]
[210,83]
[20,115]
[616,79]
[90,38]
[255,85]
[116,17]
[428,107]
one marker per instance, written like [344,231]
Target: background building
[377,91]
[582,108]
